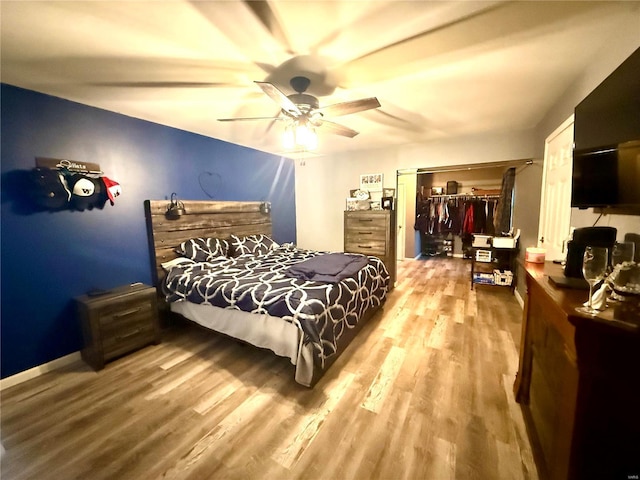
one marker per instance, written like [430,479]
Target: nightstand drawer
[127,339]
[126,313]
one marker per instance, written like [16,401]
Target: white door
[555,204]
[401,220]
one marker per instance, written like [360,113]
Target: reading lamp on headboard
[175,209]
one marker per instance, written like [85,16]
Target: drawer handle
[365,220]
[127,312]
[365,233]
[130,334]
[364,246]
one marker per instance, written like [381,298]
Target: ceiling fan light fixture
[300,134]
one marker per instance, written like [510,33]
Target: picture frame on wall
[371,182]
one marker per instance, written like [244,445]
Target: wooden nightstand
[118,322]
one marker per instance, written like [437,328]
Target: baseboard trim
[39,370]
[519,298]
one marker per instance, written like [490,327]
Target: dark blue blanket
[329,268]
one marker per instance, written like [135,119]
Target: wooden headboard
[202,218]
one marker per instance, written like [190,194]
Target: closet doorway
[472,181]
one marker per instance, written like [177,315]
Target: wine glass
[594,266]
[622,252]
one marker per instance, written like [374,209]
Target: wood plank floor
[424,392]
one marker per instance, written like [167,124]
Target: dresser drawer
[365,222]
[366,246]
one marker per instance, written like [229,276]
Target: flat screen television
[607,177]
[606,155]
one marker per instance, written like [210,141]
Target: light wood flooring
[424,392]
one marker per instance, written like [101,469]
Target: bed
[218,266]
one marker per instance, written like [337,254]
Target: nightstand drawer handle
[365,246]
[130,334]
[365,233]
[365,220]
[127,313]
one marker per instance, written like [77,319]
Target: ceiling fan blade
[346,108]
[337,129]
[243,119]
[471,26]
[164,84]
[280,98]
[265,14]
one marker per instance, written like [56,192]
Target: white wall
[323,183]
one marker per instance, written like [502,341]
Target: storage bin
[483,255]
[502,278]
[504,242]
[481,240]
[484,278]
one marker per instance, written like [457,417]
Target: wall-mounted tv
[606,156]
[607,176]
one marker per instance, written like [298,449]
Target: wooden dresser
[118,322]
[578,384]
[372,232]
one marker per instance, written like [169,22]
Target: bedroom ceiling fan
[303,113]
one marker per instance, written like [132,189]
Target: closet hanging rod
[524,162]
[465,195]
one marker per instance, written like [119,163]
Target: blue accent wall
[48,258]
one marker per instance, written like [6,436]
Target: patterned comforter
[259,284]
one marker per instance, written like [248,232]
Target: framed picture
[375,205]
[371,181]
[377,195]
[387,203]
[352,204]
[388,192]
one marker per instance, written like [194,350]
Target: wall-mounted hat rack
[71,165]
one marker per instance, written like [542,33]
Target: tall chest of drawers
[372,232]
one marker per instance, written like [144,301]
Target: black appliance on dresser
[583,237]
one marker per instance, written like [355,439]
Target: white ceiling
[439,69]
